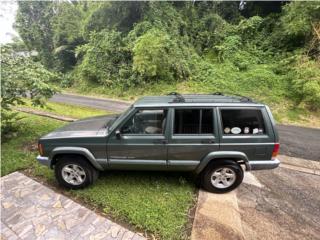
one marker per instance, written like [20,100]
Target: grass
[67,109]
[154,202]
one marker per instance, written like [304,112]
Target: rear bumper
[44,161]
[265,164]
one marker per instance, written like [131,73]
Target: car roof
[196,100]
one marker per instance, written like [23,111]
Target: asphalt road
[299,142]
[286,206]
[104,104]
[295,141]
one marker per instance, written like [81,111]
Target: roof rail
[242,98]
[178,97]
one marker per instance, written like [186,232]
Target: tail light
[40,148]
[275,151]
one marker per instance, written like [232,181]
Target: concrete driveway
[287,206]
[269,205]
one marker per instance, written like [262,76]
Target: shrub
[104,55]
[21,77]
[156,55]
[306,85]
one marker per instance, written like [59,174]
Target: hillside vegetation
[266,50]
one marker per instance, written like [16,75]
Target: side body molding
[76,150]
[223,155]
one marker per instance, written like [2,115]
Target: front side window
[193,121]
[242,121]
[146,121]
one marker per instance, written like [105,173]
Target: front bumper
[44,161]
[264,164]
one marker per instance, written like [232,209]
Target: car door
[140,142]
[248,130]
[193,134]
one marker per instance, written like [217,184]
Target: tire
[75,172]
[222,176]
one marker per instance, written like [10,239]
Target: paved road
[300,142]
[295,141]
[104,104]
[286,206]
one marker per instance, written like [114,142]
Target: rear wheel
[222,176]
[75,172]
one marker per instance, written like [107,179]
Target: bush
[156,55]
[306,85]
[104,55]
[22,77]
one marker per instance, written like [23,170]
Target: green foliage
[21,77]
[157,56]
[116,46]
[249,28]
[208,31]
[115,15]
[67,34]
[33,22]
[104,55]
[307,82]
[298,18]
[19,152]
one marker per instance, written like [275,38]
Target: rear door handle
[207,141]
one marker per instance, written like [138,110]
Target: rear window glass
[242,121]
[193,121]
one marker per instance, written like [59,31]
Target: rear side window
[242,121]
[193,121]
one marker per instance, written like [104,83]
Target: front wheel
[75,172]
[222,176]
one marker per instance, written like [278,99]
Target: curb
[97,97]
[45,114]
[217,217]
[299,164]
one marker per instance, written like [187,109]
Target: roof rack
[178,97]
[184,98]
[242,98]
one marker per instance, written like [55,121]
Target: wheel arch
[236,156]
[74,151]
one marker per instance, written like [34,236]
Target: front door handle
[207,141]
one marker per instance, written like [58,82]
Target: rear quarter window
[242,121]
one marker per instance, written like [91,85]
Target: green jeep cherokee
[214,136]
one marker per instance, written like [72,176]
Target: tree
[103,56]
[20,76]
[67,27]
[158,56]
[120,16]
[33,22]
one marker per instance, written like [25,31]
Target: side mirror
[118,134]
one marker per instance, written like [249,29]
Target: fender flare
[223,155]
[75,150]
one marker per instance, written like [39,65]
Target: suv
[213,135]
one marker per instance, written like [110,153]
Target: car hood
[87,127]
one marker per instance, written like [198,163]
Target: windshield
[119,119]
